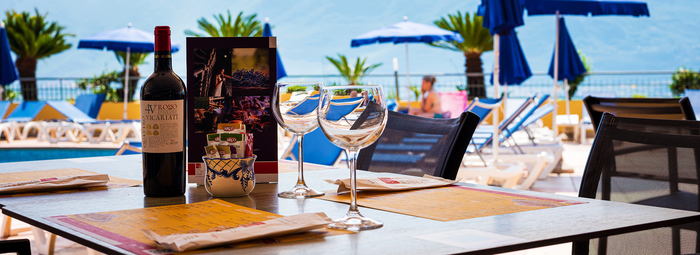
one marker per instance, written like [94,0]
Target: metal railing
[618,84]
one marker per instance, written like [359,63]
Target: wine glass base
[300,192]
[355,223]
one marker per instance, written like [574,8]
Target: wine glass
[352,117]
[294,106]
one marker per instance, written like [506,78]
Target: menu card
[56,174]
[229,80]
[393,183]
[55,183]
[123,228]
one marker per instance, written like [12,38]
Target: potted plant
[684,80]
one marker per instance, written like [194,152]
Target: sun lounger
[22,119]
[539,160]
[83,127]
[5,127]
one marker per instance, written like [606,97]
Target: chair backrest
[652,162]
[317,149]
[650,108]
[4,106]
[26,111]
[415,145]
[71,112]
[482,107]
[694,97]
[90,104]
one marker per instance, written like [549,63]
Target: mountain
[308,31]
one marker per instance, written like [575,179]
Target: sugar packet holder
[270,228]
[393,183]
[230,141]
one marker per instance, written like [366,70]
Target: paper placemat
[449,203]
[41,174]
[121,228]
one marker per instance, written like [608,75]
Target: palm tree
[135,59]
[33,38]
[352,74]
[242,27]
[477,40]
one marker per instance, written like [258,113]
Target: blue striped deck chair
[482,107]
[537,111]
[22,119]
[481,139]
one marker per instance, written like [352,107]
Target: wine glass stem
[300,142]
[352,160]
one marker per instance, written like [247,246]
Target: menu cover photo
[229,81]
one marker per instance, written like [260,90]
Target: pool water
[29,154]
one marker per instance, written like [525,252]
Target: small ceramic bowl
[229,177]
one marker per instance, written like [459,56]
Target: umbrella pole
[496,83]
[126,80]
[408,79]
[555,104]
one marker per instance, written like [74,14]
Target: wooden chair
[650,162]
[415,145]
[649,108]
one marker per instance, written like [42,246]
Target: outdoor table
[536,228]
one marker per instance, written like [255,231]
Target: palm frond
[352,74]
[33,36]
[241,26]
[476,37]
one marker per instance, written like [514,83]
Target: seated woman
[430,100]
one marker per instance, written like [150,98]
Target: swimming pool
[29,154]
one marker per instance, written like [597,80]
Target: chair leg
[6,226]
[676,240]
[43,245]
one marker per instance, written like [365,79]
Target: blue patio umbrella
[8,70]
[501,17]
[406,32]
[569,64]
[513,64]
[267,32]
[579,7]
[126,39]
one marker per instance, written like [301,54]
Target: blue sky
[308,31]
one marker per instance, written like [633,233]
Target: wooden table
[536,228]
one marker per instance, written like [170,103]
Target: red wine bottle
[163,124]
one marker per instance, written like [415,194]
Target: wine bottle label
[162,125]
